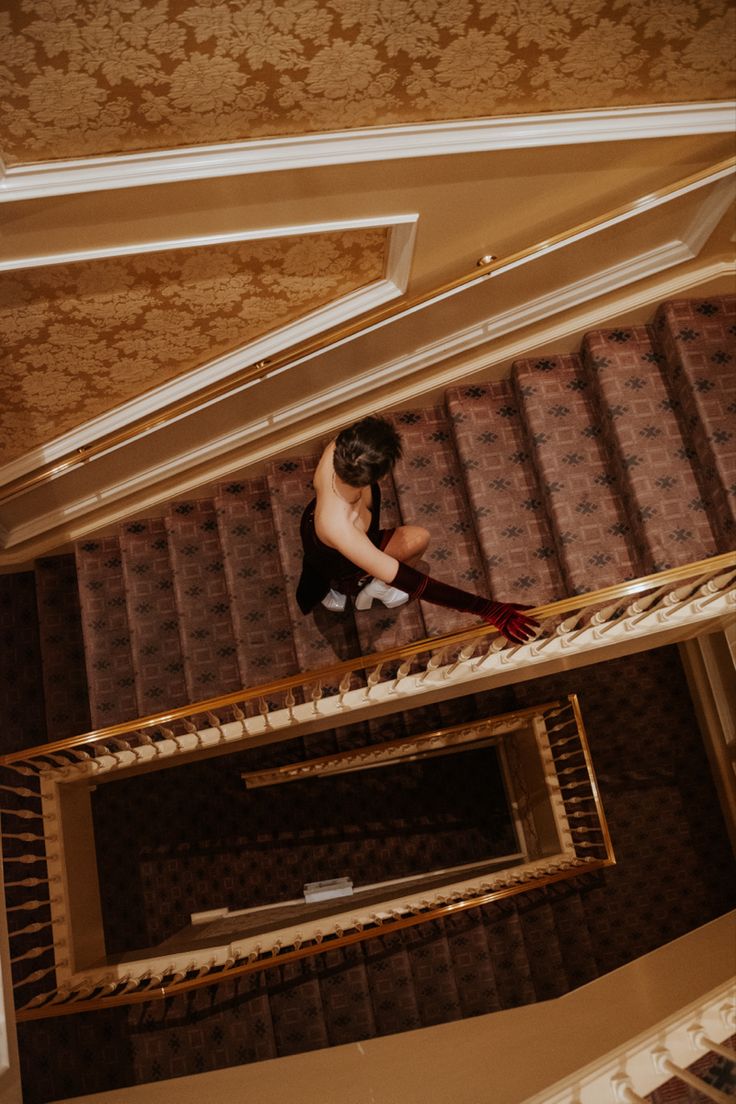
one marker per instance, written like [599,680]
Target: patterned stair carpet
[577,473]
[674,872]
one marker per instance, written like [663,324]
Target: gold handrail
[161,992]
[336,671]
[45,472]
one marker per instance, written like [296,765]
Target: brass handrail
[334,672]
[45,472]
[161,992]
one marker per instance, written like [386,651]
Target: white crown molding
[400,248]
[48,178]
[217,454]
[708,216]
[400,245]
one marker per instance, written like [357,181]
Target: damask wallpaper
[79,339]
[83,77]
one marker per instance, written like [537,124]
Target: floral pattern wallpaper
[79,339]
[83,77]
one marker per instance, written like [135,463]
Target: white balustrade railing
[649,614]
[579,843]
[630,1073]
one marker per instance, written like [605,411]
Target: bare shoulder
[324,469]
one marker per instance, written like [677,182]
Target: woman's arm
[508,617]
[357,547]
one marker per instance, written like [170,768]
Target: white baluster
[463,656]
[27,906]
[373,679]
[27,772]
[401,673]
[21,791]
[36,952]
[435,661]
[27,837]
[239,715]
[290,702]
[344,688]
[29,883]
[701,1039]
[38,975]
[30,929]
[316,696]
[29,814]
[623,1092]
[216,724]
[664,1064]
[264,709]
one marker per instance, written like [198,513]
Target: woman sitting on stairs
[347,553]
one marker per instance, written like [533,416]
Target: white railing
[630,1073]
[649,612]
[561,832]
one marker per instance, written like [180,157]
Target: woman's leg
[408,543]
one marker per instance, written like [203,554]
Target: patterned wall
[79,339]
[80,77]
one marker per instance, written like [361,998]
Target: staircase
[576,473]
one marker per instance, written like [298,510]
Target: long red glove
[508,617]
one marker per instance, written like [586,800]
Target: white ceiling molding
[89,174]
[401,237]
[708,216]
[380,292]
[217,454]
[399,244]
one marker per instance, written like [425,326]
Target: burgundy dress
[324,567]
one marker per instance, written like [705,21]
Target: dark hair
[365,451]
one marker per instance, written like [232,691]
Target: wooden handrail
[335,672]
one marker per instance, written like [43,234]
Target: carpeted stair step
[22,719]
[437,996]
[346,997]
[430,491]
[208,642]
[296,1007]
[258,595]
[256,588]
[644,442]
[594,543]
[542,946]
[508,954]
[389,973]
[576,946]
[472,964]
[199,1030]
[152,616]
[698,340]
[513,530]
[62,647]
[107,651]
[321,638]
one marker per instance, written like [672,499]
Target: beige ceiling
[80,339]
[80,77]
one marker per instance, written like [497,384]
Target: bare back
[342,517]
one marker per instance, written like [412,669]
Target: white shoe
[390,596]
[335,601]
